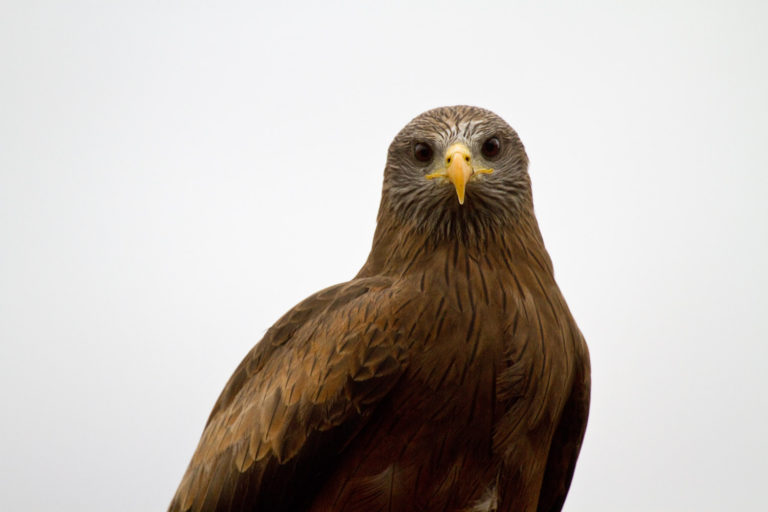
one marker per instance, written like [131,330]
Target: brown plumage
[448,375]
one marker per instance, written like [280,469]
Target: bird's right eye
[422,152]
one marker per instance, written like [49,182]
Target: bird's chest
[479,363]
[487,352]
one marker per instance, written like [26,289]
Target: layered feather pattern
[448,375]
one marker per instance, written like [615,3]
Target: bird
[448,375]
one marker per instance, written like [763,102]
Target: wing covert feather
[295,400]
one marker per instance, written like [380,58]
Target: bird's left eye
[491,147]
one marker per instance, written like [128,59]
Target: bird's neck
[399,249]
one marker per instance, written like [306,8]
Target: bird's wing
[295,401]
[566,442]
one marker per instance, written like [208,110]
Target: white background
[176,175]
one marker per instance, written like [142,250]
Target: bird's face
[456,165]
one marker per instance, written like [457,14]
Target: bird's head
[456,171]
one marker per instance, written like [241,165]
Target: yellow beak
[458,168]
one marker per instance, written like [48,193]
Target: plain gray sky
[176,175]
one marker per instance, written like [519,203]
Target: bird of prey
[448,375]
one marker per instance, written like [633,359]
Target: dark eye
[491,147]
[422,152]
